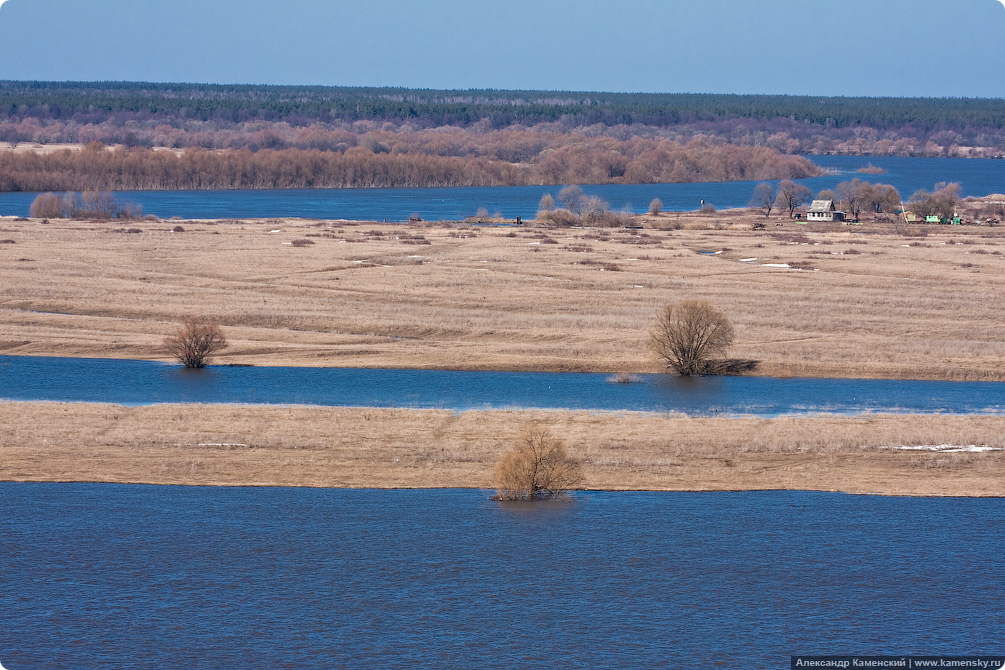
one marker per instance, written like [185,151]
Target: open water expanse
[115,576]
[130,382]
[978,177]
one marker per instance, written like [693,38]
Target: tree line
[596,160]
[431,108]
[332,118]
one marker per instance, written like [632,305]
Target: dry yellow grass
[882,304]
[390,448]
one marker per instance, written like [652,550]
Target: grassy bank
[856,301]
[394,448]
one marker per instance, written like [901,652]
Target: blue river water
[131,382]
[113,576]
[977,176]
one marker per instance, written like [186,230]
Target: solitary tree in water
[536,468]
[689,335]
[195,342]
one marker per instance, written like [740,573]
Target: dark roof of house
[822,206]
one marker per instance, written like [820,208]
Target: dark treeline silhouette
[577,160]
[272,117]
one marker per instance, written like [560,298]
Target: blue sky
[815,47]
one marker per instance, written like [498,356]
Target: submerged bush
[537,468]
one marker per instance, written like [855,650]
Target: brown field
[392,448]
[859,301]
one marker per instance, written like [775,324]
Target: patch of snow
[637,286]
[533,243]
[947,448]
[774,265]
[747,260]
[275,231]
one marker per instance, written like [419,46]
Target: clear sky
[816,47]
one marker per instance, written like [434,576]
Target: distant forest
[406,137]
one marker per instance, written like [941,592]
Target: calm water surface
[978,177]
[132,382]
[191,577]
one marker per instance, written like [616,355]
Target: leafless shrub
[581,248]
[611,267]
[689,334]
[708,208]
[46,206]
[656,206]
[624,378]
[178,229]
[302,242]
[195,342]
[559,217]
[128,212]
[537,468]
[7,242]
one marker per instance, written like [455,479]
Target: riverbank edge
[359,448]
[489,492]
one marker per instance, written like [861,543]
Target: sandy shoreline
[225,445]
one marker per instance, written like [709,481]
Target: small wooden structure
[824,210]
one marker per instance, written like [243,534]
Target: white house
[824,210]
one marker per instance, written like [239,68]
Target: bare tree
[655,206]
[854,195]
[547,203]
[572,198]
[537,468]
[883,198]
[764,198]
[689,335]
[941,203]
[195,342]
[791,195]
